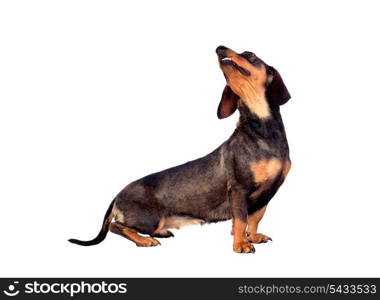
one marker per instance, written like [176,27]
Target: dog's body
[199,189]
[237,180]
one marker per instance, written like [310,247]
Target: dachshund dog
[236,181]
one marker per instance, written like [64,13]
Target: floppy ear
[228,103]
[277,94]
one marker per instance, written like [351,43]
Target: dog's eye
[251,57]
[247,54]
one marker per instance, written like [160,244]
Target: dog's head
[249,79]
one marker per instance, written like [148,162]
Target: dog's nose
[220,50]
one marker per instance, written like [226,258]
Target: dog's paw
[243,247]
[258,238]
[147,242]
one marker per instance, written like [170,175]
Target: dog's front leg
[253,223]
[239,220]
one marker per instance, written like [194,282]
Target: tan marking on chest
[266,169]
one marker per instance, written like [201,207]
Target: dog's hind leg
[132,235]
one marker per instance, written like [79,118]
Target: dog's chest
[265,170]
[268,175]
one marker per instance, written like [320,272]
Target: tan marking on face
[251,89]
[266,169]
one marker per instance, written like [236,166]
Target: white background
[95,94]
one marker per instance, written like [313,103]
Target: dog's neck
[252,124]
[256,102]
[254,108]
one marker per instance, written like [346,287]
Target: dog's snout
[220,50]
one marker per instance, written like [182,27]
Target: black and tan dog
[237,180]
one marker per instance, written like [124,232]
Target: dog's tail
[103,231]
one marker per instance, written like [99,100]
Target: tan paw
[258,238]
[147,242]
[243,247]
